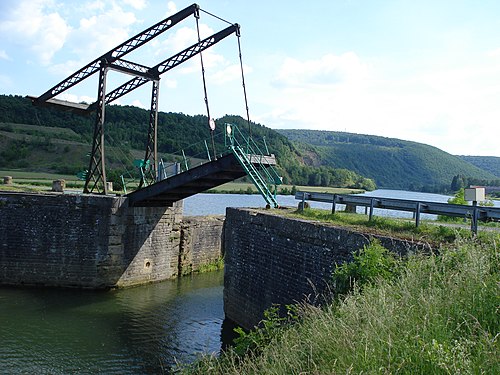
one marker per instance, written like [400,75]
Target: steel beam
[171,62]
[118,52]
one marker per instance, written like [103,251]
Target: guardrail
[475,213]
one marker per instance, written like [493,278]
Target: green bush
[371,263]
[269,328]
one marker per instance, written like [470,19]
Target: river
[146,329]
[216,204]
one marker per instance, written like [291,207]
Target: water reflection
[140,330]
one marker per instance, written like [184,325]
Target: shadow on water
[145,329]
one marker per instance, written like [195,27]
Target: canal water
[143,330]
[147,329]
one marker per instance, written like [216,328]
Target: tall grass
[440,316]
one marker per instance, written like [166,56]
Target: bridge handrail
[475,213]
[253,149]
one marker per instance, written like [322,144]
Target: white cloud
[447,108]
[6,83]
[171,8]
[182,38]
[169,83]
[99,33]
[3,55]
[35,24]
[136,4]
[328,70]
[138,103]
[76,98]
[229,74]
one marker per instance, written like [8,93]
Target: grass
[440,316]
[242,187]
[28,181]
[402,228]
[35,176]
[216,265]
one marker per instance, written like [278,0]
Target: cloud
[3,55]
[172,8]
[76,98]
[229,74]
[99,33]
[441,106]
[136,4]
[182,38]
[6,83]
[35,25]
[328,70]
[138,103]
[493,53]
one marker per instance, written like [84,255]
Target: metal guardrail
[475,213]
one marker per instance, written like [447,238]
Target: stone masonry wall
[92,241]
[200,242]
[273,259]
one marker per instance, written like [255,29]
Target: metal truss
[119,51]
[170,63]
[150,175]
[96,173]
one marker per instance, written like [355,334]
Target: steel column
[97,171]
[152,141]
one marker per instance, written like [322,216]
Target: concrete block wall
[274,259]
[92,241]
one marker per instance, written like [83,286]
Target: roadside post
[474,195]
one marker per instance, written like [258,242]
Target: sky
[426,71]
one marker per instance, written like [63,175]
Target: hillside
[490,164]
[392,163]
[43,139]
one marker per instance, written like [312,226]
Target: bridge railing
[256,155]
[475,213]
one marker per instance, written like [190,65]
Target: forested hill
[392,163]
[44,139]
[488,163]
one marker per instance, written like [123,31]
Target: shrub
[369,264]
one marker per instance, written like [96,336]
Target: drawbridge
[240,157]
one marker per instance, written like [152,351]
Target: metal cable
[244,89]
[213,15]
[205,90]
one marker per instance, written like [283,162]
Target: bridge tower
[95,179]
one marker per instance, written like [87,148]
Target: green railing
[249,154]
[263,175]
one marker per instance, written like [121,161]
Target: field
[39,181]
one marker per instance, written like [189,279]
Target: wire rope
[213,15]
[244,89]
[205,91]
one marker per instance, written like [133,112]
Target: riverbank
[42,182]
[439,315]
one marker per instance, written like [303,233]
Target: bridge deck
[193,181]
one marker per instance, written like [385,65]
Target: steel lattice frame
[96,174]
[97,171]
[152,144]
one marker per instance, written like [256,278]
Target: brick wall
[272,259]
